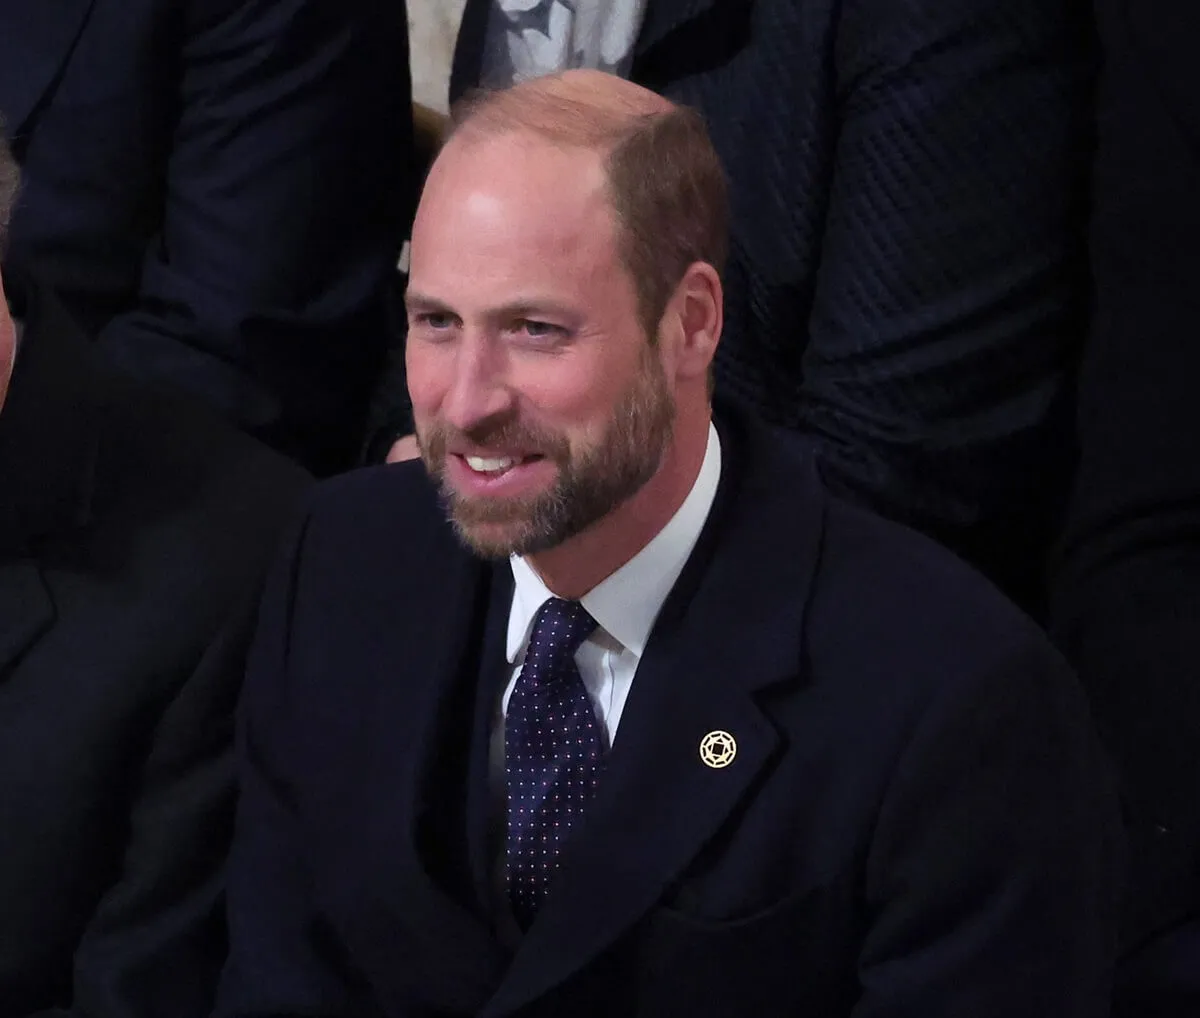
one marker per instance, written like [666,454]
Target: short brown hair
[665,180]
[10,178]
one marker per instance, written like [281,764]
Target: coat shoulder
[183,500]
[377,531]
[392,509]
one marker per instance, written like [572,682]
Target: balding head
[599,89]
[665,183]
[581,108]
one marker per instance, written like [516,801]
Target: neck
[574,567]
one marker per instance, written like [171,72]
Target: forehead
[513,209]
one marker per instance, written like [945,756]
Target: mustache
[510,434]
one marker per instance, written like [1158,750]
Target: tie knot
[559,628]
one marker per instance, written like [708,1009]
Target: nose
[479,391]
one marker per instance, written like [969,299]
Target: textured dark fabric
[907,271]
[218,191]
[917,821]
[133,532]
[1127,604]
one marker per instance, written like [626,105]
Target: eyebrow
[420,302]
[523,307]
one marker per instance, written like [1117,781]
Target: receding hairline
[663,179]
[576,109]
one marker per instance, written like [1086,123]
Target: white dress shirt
[625,606]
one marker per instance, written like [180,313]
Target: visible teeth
[488,466]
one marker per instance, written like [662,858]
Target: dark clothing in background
[917,820]
[218,190]
[133,530]
[907,267]
[1127,606]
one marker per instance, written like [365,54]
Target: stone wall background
[432,29]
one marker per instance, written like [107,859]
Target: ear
[8,345]
[693,322]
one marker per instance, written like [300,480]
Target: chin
[491,541]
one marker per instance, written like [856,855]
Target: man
[218,191]
[1127,605]
[133,532]
[676,732]
[907,264]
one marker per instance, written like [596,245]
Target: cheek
[573,396]
[582,418]
[427,375]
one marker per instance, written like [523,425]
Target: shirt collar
[626,604]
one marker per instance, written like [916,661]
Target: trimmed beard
[590,482]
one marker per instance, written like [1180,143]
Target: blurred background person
[135,525]
[1127,605]
[432,32]
[218,191]
[907,263]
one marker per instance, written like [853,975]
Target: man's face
[540,403]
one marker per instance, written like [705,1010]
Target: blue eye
[436,319]
[539,330]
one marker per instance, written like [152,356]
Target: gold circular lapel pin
[717,749]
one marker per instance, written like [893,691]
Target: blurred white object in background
[432,29]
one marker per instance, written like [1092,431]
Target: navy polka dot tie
[552,750]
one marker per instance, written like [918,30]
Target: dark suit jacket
[907,260]
[218,190]
[917,821]
[132,536]
[1128,593]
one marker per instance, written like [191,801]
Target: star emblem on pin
[718,749]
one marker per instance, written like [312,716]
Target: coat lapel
[51,426]
[482,809]
[26,610]
[36,38]
[731,628]
[418,874]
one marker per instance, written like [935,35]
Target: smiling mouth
[494,466]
